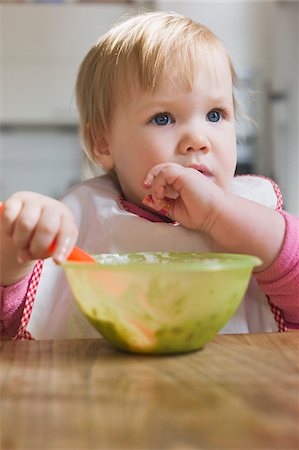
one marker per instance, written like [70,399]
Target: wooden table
[240,392]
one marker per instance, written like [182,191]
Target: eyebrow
[164,101]
[154,104]
[221,99]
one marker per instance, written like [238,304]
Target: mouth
[202,169]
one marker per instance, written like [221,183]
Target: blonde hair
[140,52]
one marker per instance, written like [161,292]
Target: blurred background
[42,44]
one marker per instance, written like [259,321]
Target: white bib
[106,227]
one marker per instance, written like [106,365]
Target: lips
[202,169]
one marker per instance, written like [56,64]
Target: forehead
[208,70]
[210,74]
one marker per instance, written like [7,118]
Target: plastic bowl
[160,302]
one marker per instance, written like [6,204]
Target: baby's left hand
[185,195]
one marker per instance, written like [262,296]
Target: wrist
[247,227]
[12,275]
[218,208]
[11,269]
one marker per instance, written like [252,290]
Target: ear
[102,153]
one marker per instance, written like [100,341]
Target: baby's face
[192,128]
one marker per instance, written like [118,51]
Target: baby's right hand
[33,221]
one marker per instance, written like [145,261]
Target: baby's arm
[29,223]
[280,282]
[244,226]
[11,307]
[236,225]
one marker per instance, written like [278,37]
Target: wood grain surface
[240,392]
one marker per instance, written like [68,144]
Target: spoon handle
[77,254]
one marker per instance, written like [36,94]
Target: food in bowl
[160,303]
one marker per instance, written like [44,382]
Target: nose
[193,141]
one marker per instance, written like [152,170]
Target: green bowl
[160,302]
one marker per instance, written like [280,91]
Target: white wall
[46,160]
[42,47]
[243,26]
[285,102]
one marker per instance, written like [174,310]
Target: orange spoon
[77,254]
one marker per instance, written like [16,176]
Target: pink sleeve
[280,282]
[11,306]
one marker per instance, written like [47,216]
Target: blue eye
[161,119]
[214,116]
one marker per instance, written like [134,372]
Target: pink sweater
[280,282]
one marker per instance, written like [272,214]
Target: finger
[10,211]
[164,206]
[25,225]
[45,232]
[159,186]
[24,255]
[162,188]
[66,239]
[167,207]
[153,173]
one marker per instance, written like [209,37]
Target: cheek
[230,154]
[227,163]
[232,162]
